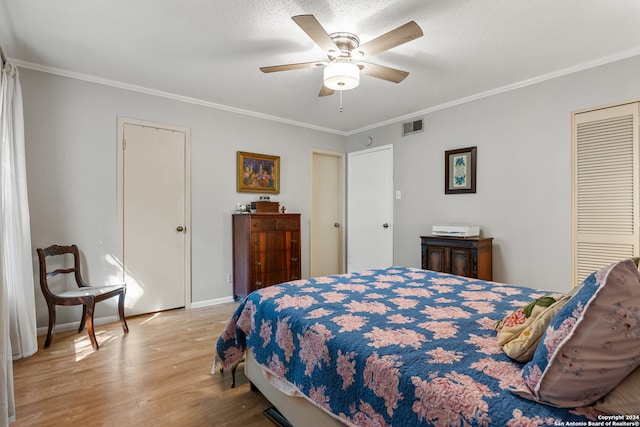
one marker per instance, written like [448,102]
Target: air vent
[412,127]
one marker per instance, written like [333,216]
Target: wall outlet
[229,278]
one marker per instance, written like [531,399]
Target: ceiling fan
[342,71]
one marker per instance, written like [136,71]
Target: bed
[396,346]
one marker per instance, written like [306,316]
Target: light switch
[398,194]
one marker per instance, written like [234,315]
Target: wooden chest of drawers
[266,251]
[469,256]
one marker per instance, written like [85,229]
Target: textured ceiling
[210,50]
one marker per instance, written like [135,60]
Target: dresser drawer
[274,224]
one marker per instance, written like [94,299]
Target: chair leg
[52,324]
[89,321]
[125,327]
[83,318]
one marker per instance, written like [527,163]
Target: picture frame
[258,173]
[460,170]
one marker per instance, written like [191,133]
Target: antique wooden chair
[85,295]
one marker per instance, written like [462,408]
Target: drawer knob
[258,263]
[294,259]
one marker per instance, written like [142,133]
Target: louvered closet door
[605,188]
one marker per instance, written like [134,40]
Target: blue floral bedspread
[392,347]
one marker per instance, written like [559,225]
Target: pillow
[519,333]
[624,399]
[592,344]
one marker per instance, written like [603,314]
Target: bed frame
[296,409]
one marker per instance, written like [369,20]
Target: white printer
[456,230]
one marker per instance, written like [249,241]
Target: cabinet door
[275,253]
[293,256]
[436,259]
[285,265]
[275,257]
[258,261]
[462,262]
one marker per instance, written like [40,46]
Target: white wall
[523,197]
[71,130]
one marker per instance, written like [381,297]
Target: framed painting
[460,170]
[258,173]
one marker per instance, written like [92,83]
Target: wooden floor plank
[156,375]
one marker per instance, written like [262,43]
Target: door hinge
[124,144]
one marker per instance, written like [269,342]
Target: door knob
[385,225]
[336,225]
[180,228]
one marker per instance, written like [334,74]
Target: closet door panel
[605,188]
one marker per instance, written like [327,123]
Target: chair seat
[90,291]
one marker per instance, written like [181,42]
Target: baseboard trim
[73,326]
[211,302]
[111,319]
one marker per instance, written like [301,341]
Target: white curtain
[7,406]
[17,303]
[14,219]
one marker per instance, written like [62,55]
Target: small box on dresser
[463,256]
[265,207]
[266,251]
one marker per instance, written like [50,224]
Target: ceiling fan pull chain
[340,109]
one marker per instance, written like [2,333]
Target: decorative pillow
[519,333]
[624,399]
[592,344]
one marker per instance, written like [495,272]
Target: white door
[327,214]
[154,222]
[370,209]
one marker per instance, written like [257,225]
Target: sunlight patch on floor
[150,319]
[83,347]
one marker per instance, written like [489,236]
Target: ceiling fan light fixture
[341,76]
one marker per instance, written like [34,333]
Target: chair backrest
[56,250]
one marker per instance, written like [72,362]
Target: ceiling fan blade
[318,34]
[287,67]
[325,91]
[403,34]
[381,72]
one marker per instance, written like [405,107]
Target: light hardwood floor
[156,375]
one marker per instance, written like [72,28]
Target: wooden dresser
[266,251]
[463,256]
